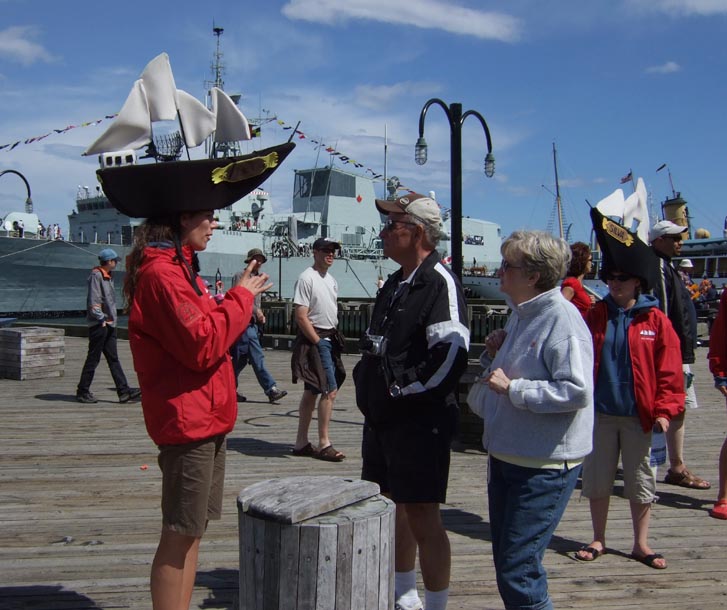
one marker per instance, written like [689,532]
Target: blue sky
[618,85]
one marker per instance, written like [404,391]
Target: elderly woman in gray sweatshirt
[538,413]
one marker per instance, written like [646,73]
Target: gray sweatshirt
[548,411]
[100,299]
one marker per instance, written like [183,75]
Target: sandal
[329,454]
[304,451]
[686,479]
[595,553]
[720,510]
[650,560]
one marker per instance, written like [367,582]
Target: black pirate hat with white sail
[625,249]
[170,186]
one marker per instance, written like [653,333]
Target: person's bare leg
[675,443]
[640,517]
[325,412]
[425,524]
[305,415]
[599,519]
[173,571]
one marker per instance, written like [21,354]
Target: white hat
[416,205]
[686,263]
[665,227]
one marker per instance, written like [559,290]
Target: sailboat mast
[559,209]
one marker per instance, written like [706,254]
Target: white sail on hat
[159,189]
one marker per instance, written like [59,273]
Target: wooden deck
[79,504]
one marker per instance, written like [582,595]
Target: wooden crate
[316,542]
[31,352]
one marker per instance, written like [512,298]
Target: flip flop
[595,553]
[720,510]
[650,560]
[329,454]
[304,451]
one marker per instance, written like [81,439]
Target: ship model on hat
[171,186]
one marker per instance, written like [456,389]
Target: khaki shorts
[614,435]
[193,477]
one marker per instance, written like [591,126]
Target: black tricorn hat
[623,250]
[161,189]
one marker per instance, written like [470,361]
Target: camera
[373,345]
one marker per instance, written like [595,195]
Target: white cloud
[666,68]
[427,14]
[684,8]
[382,96]
[17,44]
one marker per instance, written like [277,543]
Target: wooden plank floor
[79,504]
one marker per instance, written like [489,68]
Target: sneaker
[130,394]
[241,397]
[86,398]
[274,394]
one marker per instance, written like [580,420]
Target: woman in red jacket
[179,338]
[638,386]
[718,366]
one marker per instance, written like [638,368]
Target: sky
[618,86]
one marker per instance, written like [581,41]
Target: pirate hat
[161,189]
[623,250]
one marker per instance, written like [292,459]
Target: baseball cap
[324,243]
[253,252]
[665,227]
[419,206]
[107,254]
[686,263]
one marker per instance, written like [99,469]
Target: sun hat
[686,264]
[253,252]
[419,206]
[665,227]
[108,254]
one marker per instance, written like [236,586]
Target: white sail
[132,127]
[232,125]
[161,92]
[631,212]
[197,121]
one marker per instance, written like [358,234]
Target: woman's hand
[254,283]
[493,341]
[661,424]
[497,381]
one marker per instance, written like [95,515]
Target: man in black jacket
[675,301]
[414,353]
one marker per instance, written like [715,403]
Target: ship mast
[558,205]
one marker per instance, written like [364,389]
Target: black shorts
[410,459]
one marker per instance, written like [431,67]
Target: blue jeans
[248,348]
[526,505]
[325,349]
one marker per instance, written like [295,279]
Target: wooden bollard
[316,543]
[31,352]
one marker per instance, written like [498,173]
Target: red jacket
[656,362]
[179,341]
[718,340]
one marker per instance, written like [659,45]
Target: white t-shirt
[320,295]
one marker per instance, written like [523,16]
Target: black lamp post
[456,120]
[29,200]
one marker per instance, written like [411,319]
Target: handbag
[476,397]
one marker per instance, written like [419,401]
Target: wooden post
[316,543]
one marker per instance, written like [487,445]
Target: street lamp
[29,200]
[456,120]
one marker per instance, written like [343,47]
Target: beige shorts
[193,477]
[614,435]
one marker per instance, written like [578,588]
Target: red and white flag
[627,178]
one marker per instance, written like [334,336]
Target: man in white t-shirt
[317,350]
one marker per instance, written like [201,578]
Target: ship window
[319,183]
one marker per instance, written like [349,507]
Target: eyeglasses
[619,277]
[390,224]
[505,265]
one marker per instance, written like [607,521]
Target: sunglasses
[390,225]
[505,265]
[619,277]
